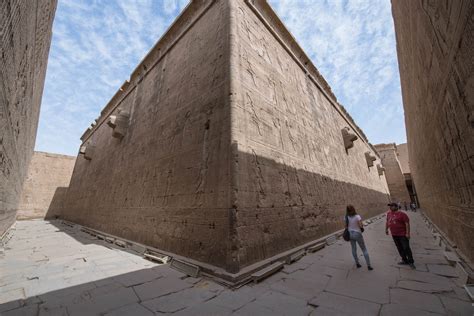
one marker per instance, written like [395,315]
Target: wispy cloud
[352,43]
[97,44]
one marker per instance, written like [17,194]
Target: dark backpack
[345,235]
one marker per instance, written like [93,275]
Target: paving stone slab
[423,301]
[372,290]
[424,277]
[457,307]
[283,304]
[54,311]
[179,300]
[160,287]
[138,277]
[343,304]
[205,309]
[397,310]
[444,270]
[31,310]
[235,299]
[303,289]
[99,304]
[134,309]
[424,287]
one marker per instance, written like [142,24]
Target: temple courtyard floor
[48,268]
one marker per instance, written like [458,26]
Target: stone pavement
[48,268]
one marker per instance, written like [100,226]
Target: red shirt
[396,222]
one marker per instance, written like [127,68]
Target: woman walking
[354,225]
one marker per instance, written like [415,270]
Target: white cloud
[352,43]
[97,44]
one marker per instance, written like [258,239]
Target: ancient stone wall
[158,171]
[394,174]
[293,173]
[223,147]
[435,44]
[402,155]
[25,39]
[44,190]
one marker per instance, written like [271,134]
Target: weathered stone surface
[44,190]
[238,154]
[416,300]
[99,279]
[442,269]
[393,173]
[424,287]
[435,41]
[334,304]
[25,39]
[397,310]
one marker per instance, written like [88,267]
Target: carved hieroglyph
[25,31]
[435,44]
[233,151]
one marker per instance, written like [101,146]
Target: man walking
[399,225]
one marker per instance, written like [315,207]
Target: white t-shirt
[354,222]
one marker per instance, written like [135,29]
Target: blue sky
[97,43]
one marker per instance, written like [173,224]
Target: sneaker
[412,266]
[403,263]
[370,268]
[358,265]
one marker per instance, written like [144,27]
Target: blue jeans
[356,237]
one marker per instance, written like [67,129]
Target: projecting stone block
[380,169]
[266,272]
[348,137]
[119,123]
[88,151]
[185,267]
[370,158]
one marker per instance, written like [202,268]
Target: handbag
[345,235]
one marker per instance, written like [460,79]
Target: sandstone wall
[44,190]
[25,39]
[402,155]
[435,44]
[166,182]
[232,154]
[293,174]
[394,174]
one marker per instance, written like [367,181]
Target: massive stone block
[435,44]
[25,39]
[44,190]
[233,151]
[394,173]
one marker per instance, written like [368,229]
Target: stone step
[316,247]
[295,256]
[185,267]
[155,256]
[451,257]
[266,272]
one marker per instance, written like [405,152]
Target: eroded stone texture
[25,39]
[233,153]
[166,182]
[435,41]
[44,190]
[292,175]
[393,172]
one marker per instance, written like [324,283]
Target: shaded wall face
[25,39]
[393,172]
[165,184]
[435,44]
[294,177]
[46,185]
